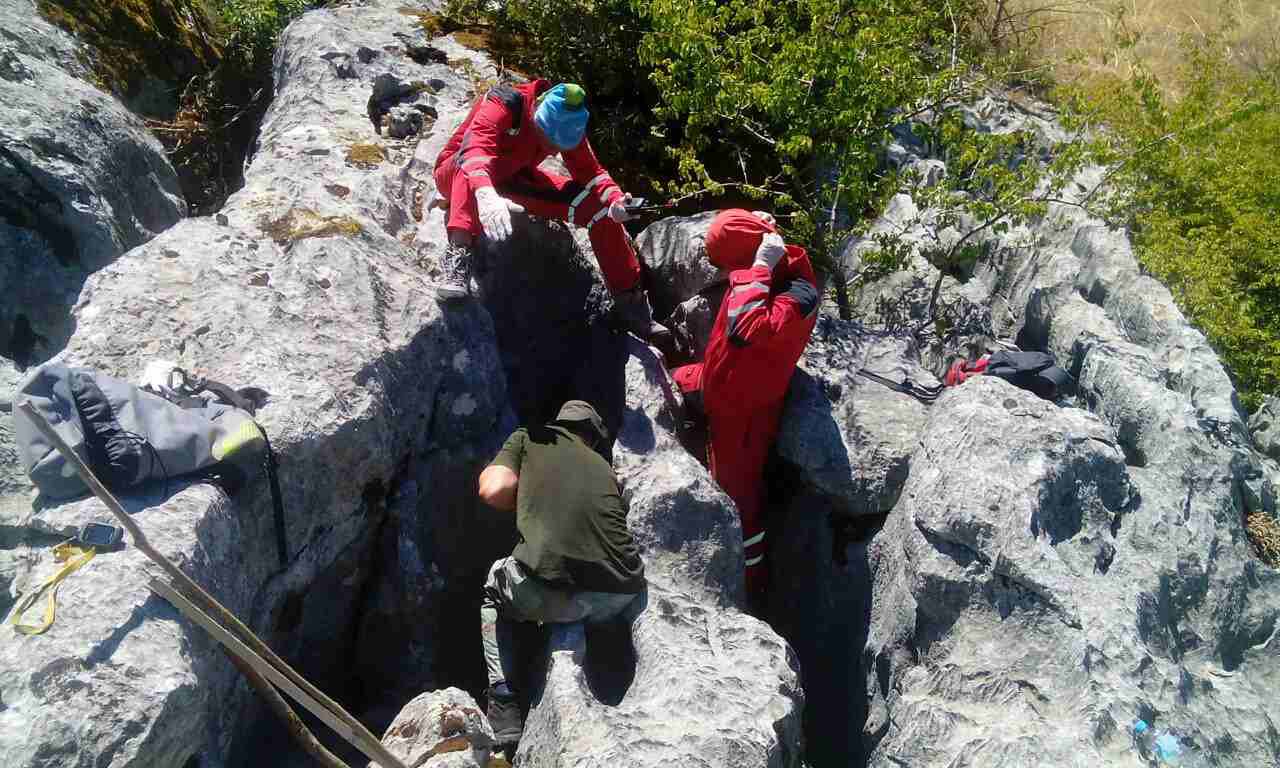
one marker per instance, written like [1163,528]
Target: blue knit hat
[562,115]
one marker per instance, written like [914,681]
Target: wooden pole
[277,704]
[356,733]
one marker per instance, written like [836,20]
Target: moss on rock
[143,51]
[301,224]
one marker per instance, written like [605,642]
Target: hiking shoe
[455,273]
[504,715]
[635,315]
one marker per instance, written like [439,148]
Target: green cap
[581,410]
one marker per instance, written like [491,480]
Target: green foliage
[590,42]
[780,105]
[771,91]
[1195,178]
[253,25]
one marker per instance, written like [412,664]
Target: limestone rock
[440,726]
[994,571]
[1050,575]
[712,686]
[304,285]
[674,248]
[81,179]
[1265,426]
[850,438]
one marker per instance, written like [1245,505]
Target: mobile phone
[635,202]
[101,535]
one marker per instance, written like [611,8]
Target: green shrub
[782,105]
[766,93]
[1196,179]
[252,26]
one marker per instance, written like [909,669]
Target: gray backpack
[129,436]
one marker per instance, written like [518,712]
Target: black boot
[504,715]
[635,315]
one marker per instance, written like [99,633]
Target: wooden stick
[297,729]
[359,736]
[252,660]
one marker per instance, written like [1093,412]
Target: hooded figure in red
[764,323]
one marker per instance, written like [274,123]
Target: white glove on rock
[495,214]
[771,251]
[155,378]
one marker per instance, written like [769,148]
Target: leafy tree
[1195,178]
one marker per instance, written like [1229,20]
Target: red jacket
[764,324]
[499,139]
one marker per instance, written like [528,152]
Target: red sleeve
[587,171]
[480,141]
[754,316]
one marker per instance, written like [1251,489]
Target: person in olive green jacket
[576,560]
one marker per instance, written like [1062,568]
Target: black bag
[1036,372]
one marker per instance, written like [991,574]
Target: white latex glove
[618,210]
[495,214]
[155,378]
[766,217]
[771,251]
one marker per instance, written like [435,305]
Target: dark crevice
[22,343]
[27,207]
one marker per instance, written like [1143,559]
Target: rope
[75,557]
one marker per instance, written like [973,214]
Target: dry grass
[301,223]
[1265,533]
[1094,42]
[366,156]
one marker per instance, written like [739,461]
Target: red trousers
[738,444]
[552,197]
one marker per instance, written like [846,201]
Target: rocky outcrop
[81,182]
[674,249]
[315,284]
[993,589]
[850,437]
[1265,426]
[1078,567]
[438,729]
[711,686]
[303,285]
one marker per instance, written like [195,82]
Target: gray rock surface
[440,728]
[674,248]
[712,686]
[303,285]
[81,182]
[1050,575]
[314,283]
[1265,426]
[992,578]
[852,438]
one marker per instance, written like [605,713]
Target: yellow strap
[75,557]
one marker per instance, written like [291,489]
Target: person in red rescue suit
[489,168]
[765,320]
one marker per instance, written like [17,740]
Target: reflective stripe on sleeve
[754,540]
[600,214]
[755,285]
[750,305]
[758,559]
[573,207]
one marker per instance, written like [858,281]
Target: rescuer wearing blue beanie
[562,115]
[490,168]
